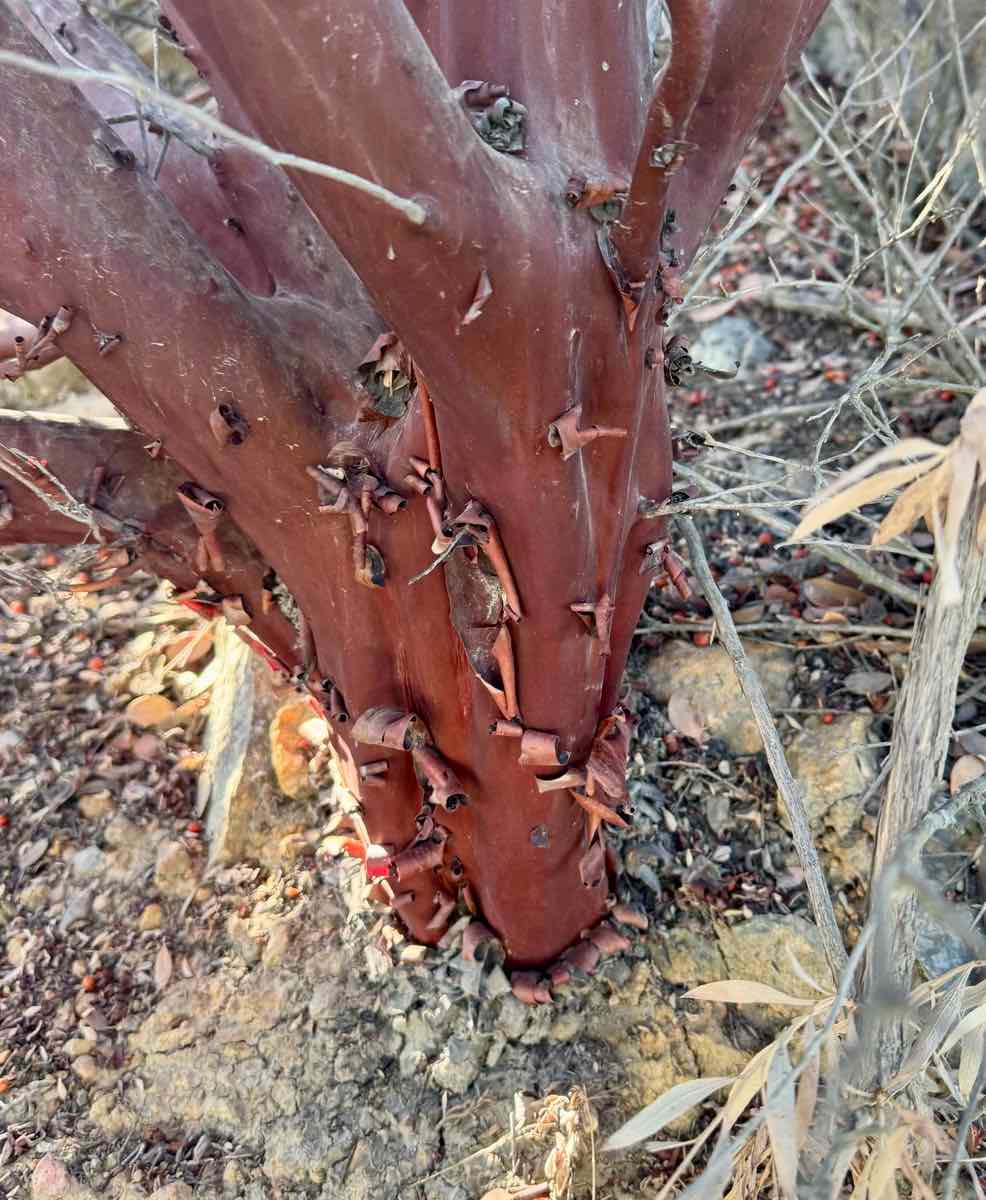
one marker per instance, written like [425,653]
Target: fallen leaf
[685,717]
[32,853]
[866,683]
[912,504]
[965,770]
[782,1126]
[668,1107]
[745,991]
[163,966]
[824,592]
[148,710]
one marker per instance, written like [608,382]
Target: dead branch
[789,788]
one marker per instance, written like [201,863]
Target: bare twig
[788,786]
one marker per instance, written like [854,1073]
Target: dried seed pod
[229,427]
[607,940]
[539,749]
[417,858]
[390,727]
[530,988]
[437,779]
[592,864]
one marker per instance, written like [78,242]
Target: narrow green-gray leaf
[672,1104]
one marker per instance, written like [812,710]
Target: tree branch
[789,788]
[101,470]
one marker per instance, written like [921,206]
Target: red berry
[17,606]
[765,539]
[95,663]
[827,718]
[4,820]
[194,828]
[702,638]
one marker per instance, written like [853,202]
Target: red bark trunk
[529,311]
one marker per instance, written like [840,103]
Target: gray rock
[174,872]
[88,863]
[832,52]
[458,1065]
[730,340]
[940,949]
[832,764]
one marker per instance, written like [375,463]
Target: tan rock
[289,750]
[151,918]
[77,1047]
[686,956]
[705,676]
[832,763]
[175,872]
[173,1191]
[95,805]
[50,1180]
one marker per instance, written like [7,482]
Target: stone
[50,1180]
[173,1191]
[687,957]
[288,749]
[174,871]
[729,340]
[458,1066]
[151,918]
[17,949]
[34,896]
[246,812]
[86,1067]
[705,676]
[88,863]
[95,805]
[832,764]
[76,1047]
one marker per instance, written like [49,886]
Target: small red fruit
[4,820]
[765,539]
[95,663]
[827,718]
[89,983]
[17,606]
[702,638]
[194,828]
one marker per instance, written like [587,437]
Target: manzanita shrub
[409,438]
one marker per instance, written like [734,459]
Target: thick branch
[756,45]
[664,142]
[131,500]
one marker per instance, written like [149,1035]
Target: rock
[832,764]
[88,863]
[16,949]
[278,942]
[687,957]
[173,1191]
[247,815]
[95,805]
[705,676]
[86,1067]
[50,1180]
[174,872]
[458,1066]
[34,896]
[151,918]
[940,949]
[76,1047]
[730,340]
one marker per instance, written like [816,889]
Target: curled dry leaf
[867,683]
[965,770]
[145,711]
[782,1129]
[685,717]
[163,966]
[824,592]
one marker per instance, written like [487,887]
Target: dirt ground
[173,1029]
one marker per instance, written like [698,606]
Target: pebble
[88,863]
[96,805]
[77,1047]
[174,873]
[86,1067]
[151,918]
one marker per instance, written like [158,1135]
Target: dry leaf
[912,504]
[163,966]
[965,770]
[745,991]
[781,1122]
[685,717]
[972,1020]
[824,592]
[866,683]
[145,711]
[746,1087]
[886,1162]
[188,648]
[970,1061]
[32,853]
[668,1107]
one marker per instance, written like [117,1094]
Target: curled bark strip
[234,610]
[608,940]
[438,780]
[583,956]
[402,901]
[627,914]
[480,944]
[337,706]
[659,557]
[481,524]
[574,778]
[599,810]
[530,988]
[444,908]
[512,729]
[431,426]
[540,749]
[597,618]
[607,763]
[390,727]
[592,864]
[229,427]
[372,773]
[306,643]
[564,433]
[206,511]
[503,656]
[417,858]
